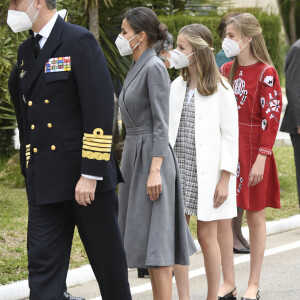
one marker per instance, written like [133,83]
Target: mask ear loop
[30,6]
[36,15]
[193,60]
[138,44]
[244,45]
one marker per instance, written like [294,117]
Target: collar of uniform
[46,30]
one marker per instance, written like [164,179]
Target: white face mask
[231,47]
[19,21]
[124,46]
[180,60]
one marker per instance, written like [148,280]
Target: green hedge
[270,24]
[9,44]
[285,7]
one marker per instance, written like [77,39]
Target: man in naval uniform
[66,99]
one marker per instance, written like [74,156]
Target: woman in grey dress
[151,213]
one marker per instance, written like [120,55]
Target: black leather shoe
[228,296]
[241,251]
[68,296]
[142,273]
[257,297]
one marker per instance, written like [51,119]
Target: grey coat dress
[154,233]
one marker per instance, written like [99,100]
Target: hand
[85,191]
[257,171]
[221,192]
[154,187]
[298,129]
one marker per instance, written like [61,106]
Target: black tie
[37,48]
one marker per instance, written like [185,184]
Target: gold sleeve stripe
[96,149]
[107,137]
[98,133]
[27,153]
[96,155]
[97,145]
[108,141]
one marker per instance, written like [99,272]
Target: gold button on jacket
[47,101]
[29,103]
[32,127]
[53,148]
[49,125]
[35,150]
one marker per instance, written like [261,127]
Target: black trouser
[296,144]
[50,234]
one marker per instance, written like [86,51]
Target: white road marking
[201,271]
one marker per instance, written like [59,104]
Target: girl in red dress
[258,94]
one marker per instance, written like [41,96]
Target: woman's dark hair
[145,19]
[223,24]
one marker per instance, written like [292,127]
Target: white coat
[216,140]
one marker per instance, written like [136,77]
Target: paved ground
[280,277]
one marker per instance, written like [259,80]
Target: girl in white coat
[203,130]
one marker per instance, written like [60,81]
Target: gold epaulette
[97,145]
[27,153]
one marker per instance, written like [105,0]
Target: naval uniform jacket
[67,105]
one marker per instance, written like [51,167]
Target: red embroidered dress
[259,100]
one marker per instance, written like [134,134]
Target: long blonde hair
[200,37]
[249,26]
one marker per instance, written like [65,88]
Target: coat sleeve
[292,83]
[159,88]
[23,122]
[95,91]
[270,109]
[229,129]
[13,86]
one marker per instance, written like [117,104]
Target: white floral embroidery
[239,89]
[240,185]
[269,80]
[265,151]
[264,124]
[273,106]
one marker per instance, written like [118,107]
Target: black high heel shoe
[142,273]
[241,251]
[228,296]
[257,297]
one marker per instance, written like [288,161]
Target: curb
[20,289]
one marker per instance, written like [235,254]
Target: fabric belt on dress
[139,130]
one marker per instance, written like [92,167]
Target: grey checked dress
[185,151]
